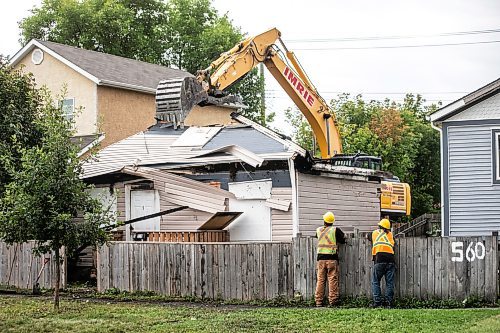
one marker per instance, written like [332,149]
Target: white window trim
[61,106]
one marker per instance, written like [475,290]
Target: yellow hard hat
[329,217]
[384,223]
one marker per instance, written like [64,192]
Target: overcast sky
[375,67]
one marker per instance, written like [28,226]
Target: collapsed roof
[165,148]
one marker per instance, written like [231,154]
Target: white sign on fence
[471,254]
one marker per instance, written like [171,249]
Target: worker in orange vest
[384,263]
[328,260]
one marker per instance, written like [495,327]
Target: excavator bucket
[175,98]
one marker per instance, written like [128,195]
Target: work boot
[333,304]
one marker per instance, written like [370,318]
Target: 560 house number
[473,252]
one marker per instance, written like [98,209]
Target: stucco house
[470,162]
[109,97]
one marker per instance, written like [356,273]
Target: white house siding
[356,204]
[186,220]
[281,221]
[473,200]
[175,191]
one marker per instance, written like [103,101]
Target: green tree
[186,34]
[401,135]
[44,194]
[302,131]
[19,108]
[127,28]
[197,35]
[397,132]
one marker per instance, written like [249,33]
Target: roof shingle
[111,68]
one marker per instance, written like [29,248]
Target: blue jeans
[380,270]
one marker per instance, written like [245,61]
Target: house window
[496,156]
[68,108]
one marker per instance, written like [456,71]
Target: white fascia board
[243,154]
[91,145]
[127,86]
[246,155]
[446,110]
[279,204]
[21,53]
[100,172]
[33,43]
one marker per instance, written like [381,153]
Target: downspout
[442,173]
[295,201]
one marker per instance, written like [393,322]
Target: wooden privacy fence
[215,270]
[427,268]
[19,267]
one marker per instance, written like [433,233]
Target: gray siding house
[470,153]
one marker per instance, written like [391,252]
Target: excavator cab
[358,160]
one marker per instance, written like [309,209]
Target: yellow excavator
[175,99]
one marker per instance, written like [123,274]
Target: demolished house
[231,179]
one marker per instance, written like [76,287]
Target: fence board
[403,269]
[417,264]
[491,268]
[251,271]
[481,274]
[209,264]
[438,268]
[445,266]
[430,268]
[238,268]
[220,259]
[423,269]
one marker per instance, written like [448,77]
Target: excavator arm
[241,59]
[262,48]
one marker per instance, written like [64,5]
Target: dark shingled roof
[246,137]
[83,140]
[108,67]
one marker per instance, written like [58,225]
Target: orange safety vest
[327,243]
[382,242]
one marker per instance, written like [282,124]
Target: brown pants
[330,269]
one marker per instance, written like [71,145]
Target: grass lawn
[24,314]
